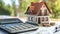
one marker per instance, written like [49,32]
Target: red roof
[35,7]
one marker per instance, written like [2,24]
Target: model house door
[39,21]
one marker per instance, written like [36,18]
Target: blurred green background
[13,9]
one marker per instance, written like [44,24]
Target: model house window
[34,19]
[31,18]
[45,12]
[43,19]
[40,13]
[46,18]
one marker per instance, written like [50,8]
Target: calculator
[15,25]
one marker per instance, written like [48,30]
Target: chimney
[32,3]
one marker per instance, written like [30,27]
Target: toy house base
[47,24]
[44,24]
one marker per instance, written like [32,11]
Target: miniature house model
[38,13]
